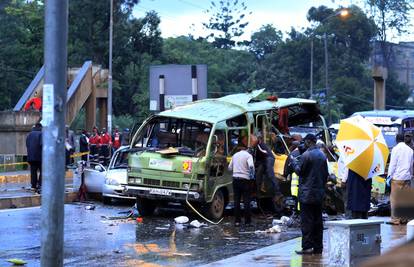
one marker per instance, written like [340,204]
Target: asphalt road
[94,239]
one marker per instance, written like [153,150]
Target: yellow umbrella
[362,146]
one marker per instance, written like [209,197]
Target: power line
[192,4]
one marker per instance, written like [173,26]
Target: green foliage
[265,41]
[228,70]
[227,22]
[21,47]
[390,16]
[123,121]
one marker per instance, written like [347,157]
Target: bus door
[218,173]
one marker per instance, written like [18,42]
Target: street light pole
[109,103]
[53,133]
[325,41]
[341,13]
[311,71]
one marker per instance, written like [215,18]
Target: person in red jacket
[94,145]
[106,143]
[34,104]
[116,139]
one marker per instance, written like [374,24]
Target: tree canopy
[280,63]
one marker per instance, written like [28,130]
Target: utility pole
[311,70]
[53,133]
[111,25]
[328,105]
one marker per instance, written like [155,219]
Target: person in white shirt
[400,170]
[242,166]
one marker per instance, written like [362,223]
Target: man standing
[312,170]
[265,174]
[95,144]
[105,151]
[116,139]
[242,166]
[84,145]
[400,171]
[34,156]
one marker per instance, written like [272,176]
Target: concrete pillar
[379,74]
[90,111]
[103,112]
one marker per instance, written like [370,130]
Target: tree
[228,70]
[265,41]
[390,15]
[227,22]
[21,47]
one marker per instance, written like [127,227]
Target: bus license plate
[160,191]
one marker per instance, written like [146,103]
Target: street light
[109,99]
[343,13]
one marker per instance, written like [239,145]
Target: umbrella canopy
[362,146]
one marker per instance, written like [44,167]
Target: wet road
[91,239]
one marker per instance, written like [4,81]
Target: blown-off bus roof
[223,108]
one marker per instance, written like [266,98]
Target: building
[401,59]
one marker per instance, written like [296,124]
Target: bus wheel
[145,206]
[215,209]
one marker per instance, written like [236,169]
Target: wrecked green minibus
[182,155]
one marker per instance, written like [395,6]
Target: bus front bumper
[161,193]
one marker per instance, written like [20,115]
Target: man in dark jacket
[84,144]
[34,155]
[312,170]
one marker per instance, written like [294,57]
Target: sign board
[172,101]
[178,84]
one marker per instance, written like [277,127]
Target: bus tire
[145,206]
[215,208]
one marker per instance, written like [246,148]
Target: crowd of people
[96,147]
[308,159]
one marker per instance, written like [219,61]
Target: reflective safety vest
[294,186]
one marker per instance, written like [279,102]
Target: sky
[178,16]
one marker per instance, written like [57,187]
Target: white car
[107,181]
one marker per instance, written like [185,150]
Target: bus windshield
[389,133]
[165,132]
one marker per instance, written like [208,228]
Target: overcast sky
[177,16]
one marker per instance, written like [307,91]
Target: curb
[31,201]
[24,178]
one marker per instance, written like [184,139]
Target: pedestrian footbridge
[86,90]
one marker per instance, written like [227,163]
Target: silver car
[107,181]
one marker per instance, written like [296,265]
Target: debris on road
[197,224]
[17,261]
[90,207]
[272,230]
[181,219]
[162,228]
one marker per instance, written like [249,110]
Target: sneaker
[308,251]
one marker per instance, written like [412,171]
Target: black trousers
[359,214]
[241,187]
[36,180]
[311,226]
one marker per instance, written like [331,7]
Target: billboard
[175,85]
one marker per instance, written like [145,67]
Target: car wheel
[215,209]
[145,206]
[106,200]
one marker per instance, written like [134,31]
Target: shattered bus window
[190,136]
